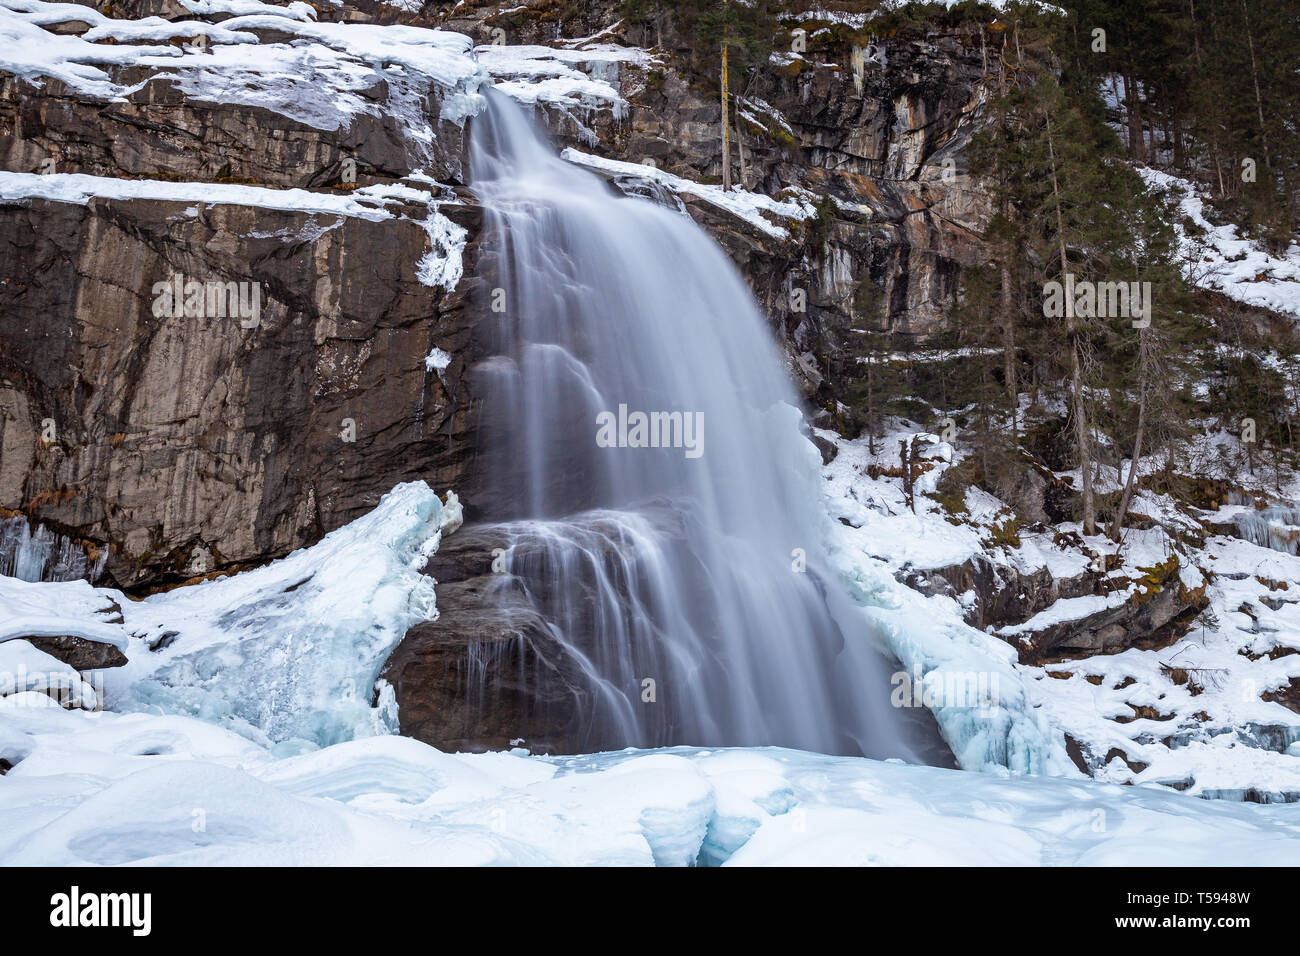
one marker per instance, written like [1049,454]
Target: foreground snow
[109,789]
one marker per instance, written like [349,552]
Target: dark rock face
[175,438]
[79,653]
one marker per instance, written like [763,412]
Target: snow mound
[289,653]
[58,608]
[25,668]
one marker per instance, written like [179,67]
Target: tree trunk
[740,150]
[1009,350]
[1137,125]
[1008,319]
[1076,365]
[726,122]
[1117,524]
[1254,75]
[871,419]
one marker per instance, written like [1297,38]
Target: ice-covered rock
[289,653]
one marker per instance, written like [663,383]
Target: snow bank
[289,654]
[147,790]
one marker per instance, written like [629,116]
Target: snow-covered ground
[243,731]
[144,789]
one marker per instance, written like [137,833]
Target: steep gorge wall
[181,445]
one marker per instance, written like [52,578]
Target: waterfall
[644,460]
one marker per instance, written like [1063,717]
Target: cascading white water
[694,566]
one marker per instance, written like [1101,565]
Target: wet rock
[488,672]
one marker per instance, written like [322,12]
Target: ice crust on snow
[114,789]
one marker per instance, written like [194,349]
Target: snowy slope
[1221,259]
[1200,715]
